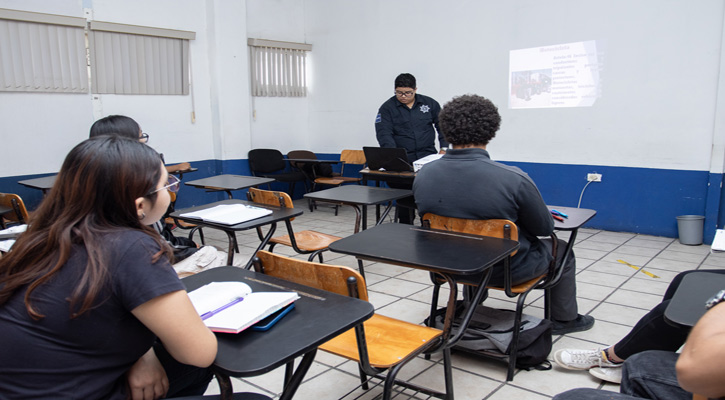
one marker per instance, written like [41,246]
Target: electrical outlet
[594,177]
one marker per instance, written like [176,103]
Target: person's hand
[443,150]
[147,379]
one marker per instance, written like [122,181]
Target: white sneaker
[582,359]
[609,374]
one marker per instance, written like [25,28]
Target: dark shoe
[581,323]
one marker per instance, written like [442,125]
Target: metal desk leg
[291,387]
[270,233]
[226,391]
[385,213]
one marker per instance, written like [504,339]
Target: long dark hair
[94,193]
[118,125]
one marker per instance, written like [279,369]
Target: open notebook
[229,214]
[232,307]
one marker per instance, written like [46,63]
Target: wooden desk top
[688,303]
[428,249]
[229,182]
[278,214]
[357,194]
[317,317]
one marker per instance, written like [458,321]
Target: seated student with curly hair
[90,307]
[466,183]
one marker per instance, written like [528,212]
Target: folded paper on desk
[231,307]
[229,214]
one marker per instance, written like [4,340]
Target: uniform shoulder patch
[378,118]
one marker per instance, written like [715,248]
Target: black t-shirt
[84,358]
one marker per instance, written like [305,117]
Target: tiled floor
[614,293]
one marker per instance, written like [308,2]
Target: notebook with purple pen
[231,307]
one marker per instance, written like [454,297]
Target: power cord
[582,194]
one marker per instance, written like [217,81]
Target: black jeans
[652,332]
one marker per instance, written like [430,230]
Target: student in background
[666,375]
[89,305]
[409,120]
[188,257]
[466,183]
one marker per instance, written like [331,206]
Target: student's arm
[436,109]
[147,378]
[700,366]
[384,128]
[175,321]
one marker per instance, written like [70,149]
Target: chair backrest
[265,161]
[300,154]
[353,157]
[271,198]
[331,278]
[14,202]
[499,228]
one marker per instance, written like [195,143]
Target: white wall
[660,79]
[48,125]
[658,109]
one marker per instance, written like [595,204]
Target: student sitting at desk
[89,306]
[466,183]
[188,257]
[666,375]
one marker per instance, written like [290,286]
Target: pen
[559,213]
[209,314]
[640,269]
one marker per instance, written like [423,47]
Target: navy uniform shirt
[410,128]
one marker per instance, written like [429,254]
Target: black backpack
[492,329]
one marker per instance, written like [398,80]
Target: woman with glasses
[89,305]
[188,257]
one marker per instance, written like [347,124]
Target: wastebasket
[690,228]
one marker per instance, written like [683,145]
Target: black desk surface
[313,160]
[229,182]
[577,217]
[317,317]
[428,249]
[688,303]
[383,174]
[358,194]
[278,214]
[43,183]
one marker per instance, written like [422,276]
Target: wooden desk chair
[347,157]
[378,344]
[270,163]
[504,229]
[304,242]
[19,214]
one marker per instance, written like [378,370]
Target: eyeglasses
[144,137]
[173,185]
[405,94]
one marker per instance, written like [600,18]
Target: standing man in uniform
[409,120]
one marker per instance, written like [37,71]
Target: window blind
[278,69]
[42,53]
[127,59]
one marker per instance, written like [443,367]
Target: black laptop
[387,158]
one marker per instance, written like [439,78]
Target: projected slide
[564,75]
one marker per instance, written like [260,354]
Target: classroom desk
[181,172]
[688,303]
[358,195]
[227,183]
[386,176]
[45,183]
[577,218]
[278,214]
[446,253]
[317,317]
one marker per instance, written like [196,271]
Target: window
[278,68]
[128,59]
[42,53]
